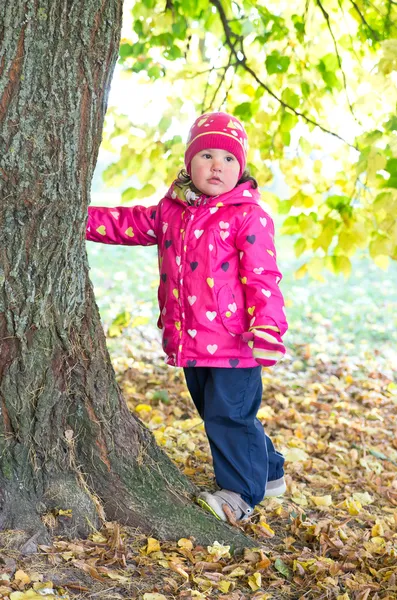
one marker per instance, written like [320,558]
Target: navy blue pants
[228,400]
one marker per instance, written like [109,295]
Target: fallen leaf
[22,577]
[282,568]
[153,545]
[295,455]
[322,500]
[255,581]
[185,543]
[218,550]
[224,586]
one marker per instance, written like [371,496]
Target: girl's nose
[216,165]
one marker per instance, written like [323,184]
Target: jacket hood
[241,193]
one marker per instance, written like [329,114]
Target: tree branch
[242,61]
[221,81]
[360,14]
[328,21]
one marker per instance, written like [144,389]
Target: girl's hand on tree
[268,347]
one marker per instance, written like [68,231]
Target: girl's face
[214,171]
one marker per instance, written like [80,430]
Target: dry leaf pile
[332,536]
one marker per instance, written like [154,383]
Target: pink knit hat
[218,131]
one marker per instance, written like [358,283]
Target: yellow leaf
[138,321]
[301,499]
[44,587]
[265,413]
[154,597]
[185,543]
[363,498]
[178,569]
[266,526]
[143,407]
[353,506]
[113,575]
[218,550]
[255,581]
[237,572]
[152,545]
[382,261]
[31,595]
[22,577]
[322,500]
[295,455]
[377,530]
[378,541]
[301,272]
[164,563]
[224,586]
[68,556]
[98,538]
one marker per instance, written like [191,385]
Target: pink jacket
[218,272]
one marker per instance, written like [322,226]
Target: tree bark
[67,439]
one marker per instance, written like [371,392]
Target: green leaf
[164,124]
[282,568]
[325,238]
[300,246]
[146,191]
[299,25]
[244,111]
[122,319]
[290,98]
[276,63]
[305,87]
[342,264]
[288,121]
[284,206]
[338,202]
[126,50]
[129,194]
[290,225]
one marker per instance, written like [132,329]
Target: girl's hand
[268,347]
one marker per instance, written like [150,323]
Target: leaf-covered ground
[331,407]
[333,535]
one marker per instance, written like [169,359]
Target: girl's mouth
[214,180]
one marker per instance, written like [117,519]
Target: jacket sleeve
[259,272]
[127,225]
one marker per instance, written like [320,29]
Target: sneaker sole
[207,507]
[274,493]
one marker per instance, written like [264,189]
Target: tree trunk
[67,439]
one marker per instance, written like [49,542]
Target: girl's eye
[229,158]
[206,155]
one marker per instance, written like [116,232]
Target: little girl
[221,310]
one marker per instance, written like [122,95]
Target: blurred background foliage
[315,84]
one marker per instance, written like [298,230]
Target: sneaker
[276,487]
[213,503]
